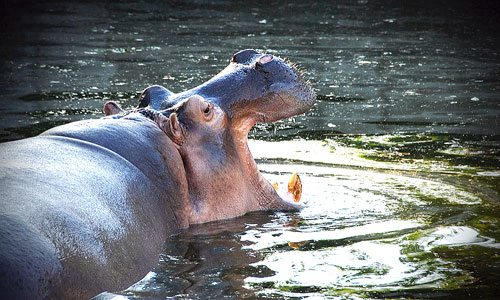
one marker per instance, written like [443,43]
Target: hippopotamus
[86,207]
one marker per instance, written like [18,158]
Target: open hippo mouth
[254,87]
[267,89]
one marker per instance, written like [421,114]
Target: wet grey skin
[253,86]
[86,207]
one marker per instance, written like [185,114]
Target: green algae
[481,152]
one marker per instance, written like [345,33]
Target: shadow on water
[399,157]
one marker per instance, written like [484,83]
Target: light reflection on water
[363,264]
[379,264]
[367,219]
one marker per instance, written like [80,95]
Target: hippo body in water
[87,206]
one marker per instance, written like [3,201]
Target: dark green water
[400,156]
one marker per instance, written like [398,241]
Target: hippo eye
[207,110]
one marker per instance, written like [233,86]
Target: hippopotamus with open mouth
[86,207]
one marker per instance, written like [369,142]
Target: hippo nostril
[243,56]
[265,59]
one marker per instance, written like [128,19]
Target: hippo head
[257,87]
[210,123]
[253,88]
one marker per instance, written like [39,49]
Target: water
[400,156]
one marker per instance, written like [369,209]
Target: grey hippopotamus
[86,207]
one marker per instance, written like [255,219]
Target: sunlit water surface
[399,157]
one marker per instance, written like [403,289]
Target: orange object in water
[295,187]
[297,245]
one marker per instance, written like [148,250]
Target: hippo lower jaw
[233,190]
[266,196]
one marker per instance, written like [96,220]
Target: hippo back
[85,207]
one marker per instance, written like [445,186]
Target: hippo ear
[153,96]
[112,108]
[170,126]
[174,129]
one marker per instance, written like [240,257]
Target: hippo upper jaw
[254,87]
[268,89]
[267,110]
